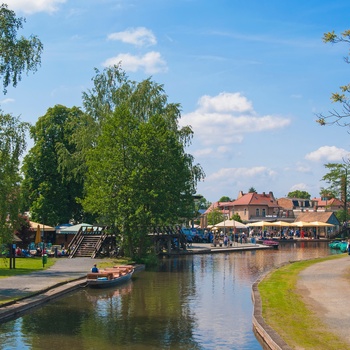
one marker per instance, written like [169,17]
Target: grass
[284,310]
[23,266]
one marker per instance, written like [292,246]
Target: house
[331,204]
[250,207]
[255,207]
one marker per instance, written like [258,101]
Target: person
[94,268]
[349,246]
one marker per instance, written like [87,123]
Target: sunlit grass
[23,266]
[284,310]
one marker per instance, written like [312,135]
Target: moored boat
[110,276]
[270,243]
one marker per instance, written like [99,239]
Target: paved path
[62,271]
[326,290]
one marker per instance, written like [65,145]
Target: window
[257,212]
[264,212]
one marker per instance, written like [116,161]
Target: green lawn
[284,311]
[23,266]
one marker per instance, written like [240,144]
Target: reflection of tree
[157,314]
[154,314]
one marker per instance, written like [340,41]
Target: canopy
[72,230]
[230,223]
[34,226]
[321,224]
[282,224]
[303,224]
[260,224]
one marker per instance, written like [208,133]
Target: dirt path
[325,288]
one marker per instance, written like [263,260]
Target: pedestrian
[349,246]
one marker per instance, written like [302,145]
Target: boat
[270,243]
[109,277]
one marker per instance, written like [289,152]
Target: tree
[51,185]
[342,97]
[12,146]
[236,217]
[252,190]
[225,199]
[215,216]
[299,194]
[17,55]
[337,178]
[138,173]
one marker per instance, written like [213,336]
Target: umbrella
[321,224]
[230,223]
[302,224]
[37,235]
[282,224]
[259,224]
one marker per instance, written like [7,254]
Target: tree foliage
[337,178]
[51,185]
[215,216]
[252,190]
[12,146]
[225,199]
[299,194]
[138,173]
[341,97]
[17,54]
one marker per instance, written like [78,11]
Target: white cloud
[33,6]
[6,101]
[300,186]
[239,173]
[137,36]
[151,62]
[225,102]
[328,153]
[227,117]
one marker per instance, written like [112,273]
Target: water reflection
[192,302]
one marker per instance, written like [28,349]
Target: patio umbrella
[259,224]
[37,235]
[230,224]
[281,224]
[302,224]
[321,224]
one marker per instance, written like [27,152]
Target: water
[191,302]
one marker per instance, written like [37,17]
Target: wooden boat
[109,277]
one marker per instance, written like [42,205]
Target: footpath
[324,287]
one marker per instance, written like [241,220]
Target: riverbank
[323,287]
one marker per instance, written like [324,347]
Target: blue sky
[250,77]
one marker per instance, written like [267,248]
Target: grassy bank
[23,266]
[284,310]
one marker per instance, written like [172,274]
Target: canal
[189,302]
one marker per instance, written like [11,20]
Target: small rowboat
[109,277]
[270,243]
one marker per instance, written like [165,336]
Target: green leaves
[12,146]
[17,55]
[138,173]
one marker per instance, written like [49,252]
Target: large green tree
[12,146]
[339,117]
[17,54]
[139,174]
[337,179]
[299,194]
[51,185]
